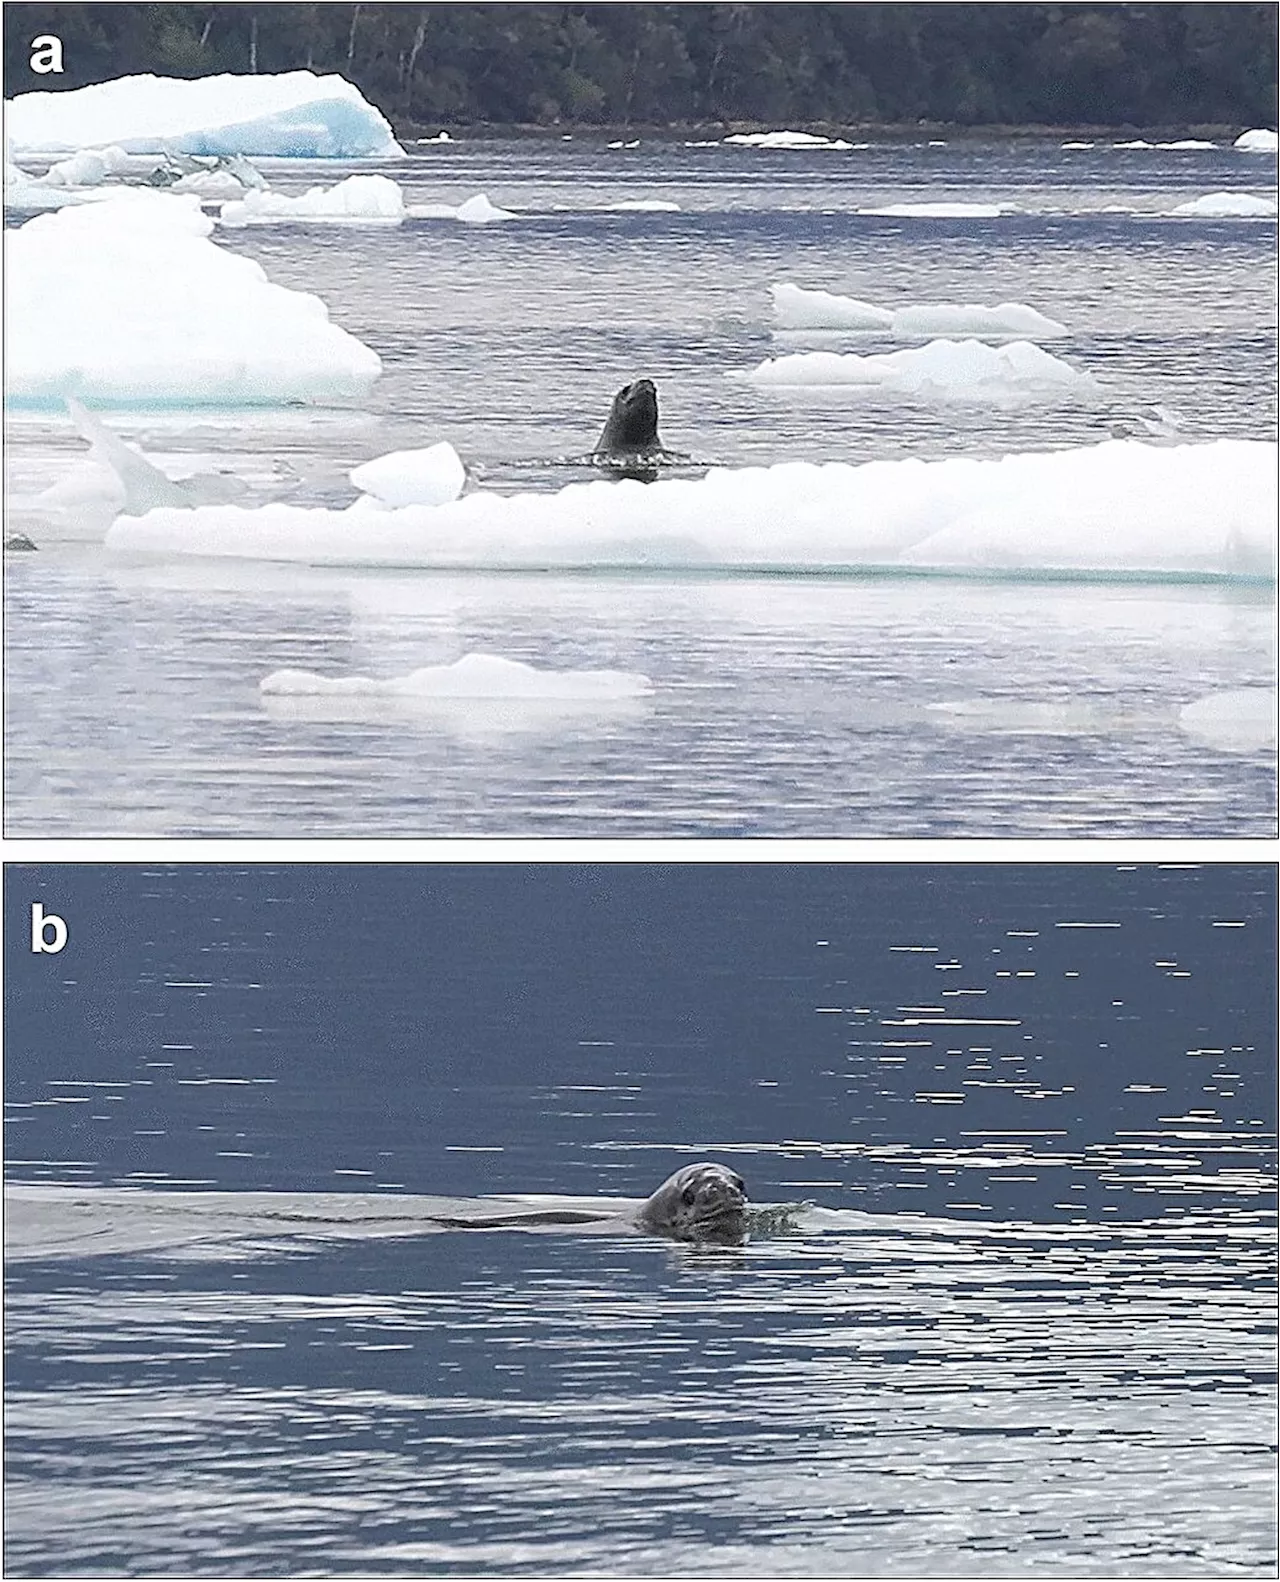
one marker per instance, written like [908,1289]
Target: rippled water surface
[805,707]
[1017,1317]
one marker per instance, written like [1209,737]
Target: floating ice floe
[1187,143]
[294,114]
[475,211]
[23,194]
[1258,140]
[1242,719]
[127,301]
[796,308]
[944,210]
[359,200]
[1077,145]
[440,137]
[785,140]
[635,143]
[965,370]
[1223,205]
[1116,510]
[642,206]
[433,476]
[472,676]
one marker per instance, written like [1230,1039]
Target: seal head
[702,1202]
[632,426]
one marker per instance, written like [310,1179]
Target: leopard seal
[701,1202]
[629,445]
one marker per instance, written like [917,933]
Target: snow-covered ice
[475,211]
[127,301]
[966,370]
[359,200]
[1258,140]
[1221,205]
[433,476]
[474,677]
[795,307]
[294,114]
[1118,509]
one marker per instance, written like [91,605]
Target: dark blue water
[1026,1319]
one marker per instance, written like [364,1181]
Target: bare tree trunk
[351,36]
[204,31]
[253,43]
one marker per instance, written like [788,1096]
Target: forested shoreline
[674,65]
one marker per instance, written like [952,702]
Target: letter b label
[48,931]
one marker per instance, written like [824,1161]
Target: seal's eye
[688,1195]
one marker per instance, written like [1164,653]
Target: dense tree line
[618,65]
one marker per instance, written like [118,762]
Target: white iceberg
[475,211]
[359,200]
[1259,140]
[127,301]
[1188,143]
[1115,510]
[796,308]
[952,370]
[1242,719]
[1221,205]
[294,114]
[433,476]
[474,677]
[943,210]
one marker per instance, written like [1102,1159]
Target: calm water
[780,708]
[1020,1316]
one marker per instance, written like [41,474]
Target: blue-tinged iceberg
[289,115]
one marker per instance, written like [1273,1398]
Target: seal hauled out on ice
[700,1202]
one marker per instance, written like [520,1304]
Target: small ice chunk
[798,308]
[359,200]
[1218,205]
[479,211]
[473,677]
[1258,140]
[943,210]
[950,369]
[782,140]
[1242,719]
[433,476]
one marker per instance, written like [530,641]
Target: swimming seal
[701,1202]
[632,425]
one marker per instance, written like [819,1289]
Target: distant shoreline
[904,132]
